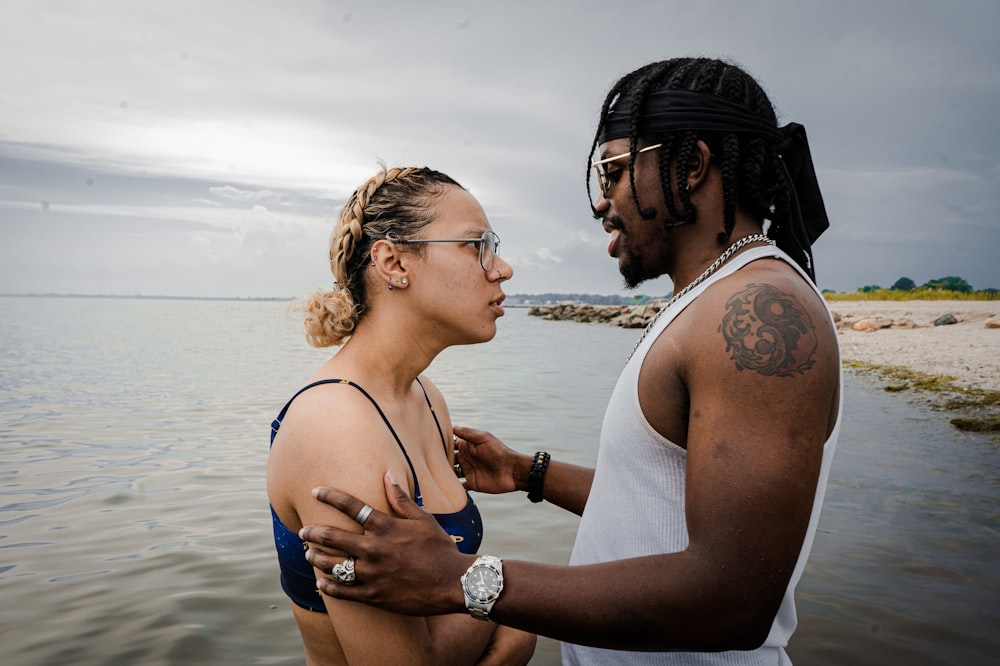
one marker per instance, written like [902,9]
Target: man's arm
[758,417]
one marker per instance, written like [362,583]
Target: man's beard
[633,271]
[633,266]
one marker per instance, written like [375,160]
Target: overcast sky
[203,148]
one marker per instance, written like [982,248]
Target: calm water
[134,525]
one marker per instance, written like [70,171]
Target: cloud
[166,124]
[546,256]
[236,194]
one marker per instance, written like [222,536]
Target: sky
[204,148]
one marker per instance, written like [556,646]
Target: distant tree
[870,287]
[950,283]
[904,284]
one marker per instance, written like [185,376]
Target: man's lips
[613,226]
[497,305]
[614,243]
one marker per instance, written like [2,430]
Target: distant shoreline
[141,297]
[902,333]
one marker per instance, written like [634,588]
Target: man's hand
[488,464]
[404,563]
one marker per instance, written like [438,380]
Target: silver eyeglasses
[603,179]
[488,244]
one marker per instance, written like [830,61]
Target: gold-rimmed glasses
[488,244]
[604,180]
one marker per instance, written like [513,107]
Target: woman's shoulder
[329,415]
[433,392]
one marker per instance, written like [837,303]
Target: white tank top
[636,503]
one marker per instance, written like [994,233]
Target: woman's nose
[505,271]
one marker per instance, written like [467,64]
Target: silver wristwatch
[482,584]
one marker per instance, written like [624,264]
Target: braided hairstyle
[752,174]
[393,204]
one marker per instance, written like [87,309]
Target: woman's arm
[321,441]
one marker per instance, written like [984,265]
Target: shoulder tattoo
[768,331]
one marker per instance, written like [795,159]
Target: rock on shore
[626,316]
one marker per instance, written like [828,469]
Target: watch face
[482,584]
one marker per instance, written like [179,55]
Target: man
[718,438]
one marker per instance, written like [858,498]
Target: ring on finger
[344,571]
[363,515]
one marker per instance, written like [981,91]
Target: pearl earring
[403,281]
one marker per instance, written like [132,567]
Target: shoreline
[903,333]
[881,334]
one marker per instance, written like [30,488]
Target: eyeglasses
[604,179]
[488,244]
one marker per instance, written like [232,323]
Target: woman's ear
[387,260]
[701,162]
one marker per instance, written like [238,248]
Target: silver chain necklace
[746,240]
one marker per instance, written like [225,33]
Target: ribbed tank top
[636,503]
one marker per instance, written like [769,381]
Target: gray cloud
[133,125]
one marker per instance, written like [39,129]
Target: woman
[416,271]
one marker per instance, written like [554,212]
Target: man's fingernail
[392,479]
[315,492]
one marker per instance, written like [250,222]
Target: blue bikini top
[297,577]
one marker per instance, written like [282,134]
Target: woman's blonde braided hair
[395,203]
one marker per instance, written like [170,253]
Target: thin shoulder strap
[444,442]
[417,496]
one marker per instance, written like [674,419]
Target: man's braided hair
[752,174]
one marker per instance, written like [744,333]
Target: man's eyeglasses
[488,244]
[604,180]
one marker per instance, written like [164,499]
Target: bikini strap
[444,442]
[418,498]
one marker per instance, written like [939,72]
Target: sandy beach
[966,350]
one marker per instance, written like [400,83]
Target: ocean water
[133,517]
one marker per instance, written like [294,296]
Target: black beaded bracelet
[536,477]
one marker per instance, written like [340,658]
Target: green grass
[915,295]
[979,408]
[986,424]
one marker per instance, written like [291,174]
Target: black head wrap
[672,110]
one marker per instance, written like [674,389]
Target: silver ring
[344,572]
[363,515]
